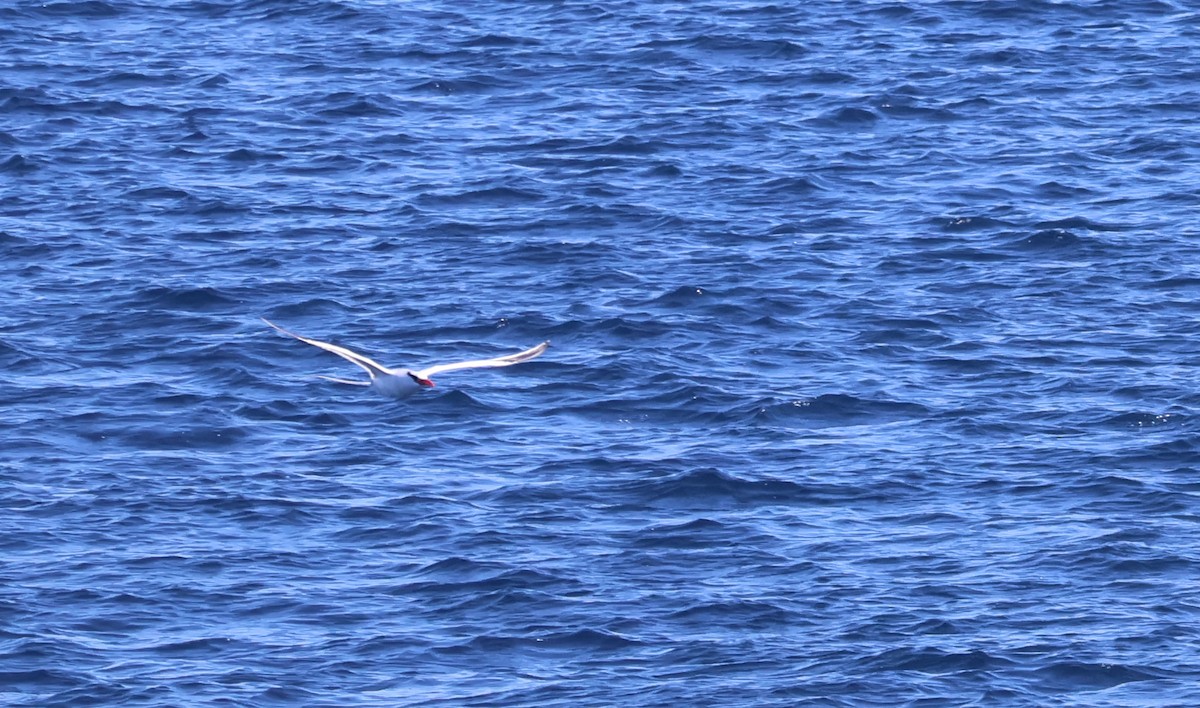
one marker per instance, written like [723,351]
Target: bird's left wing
[531,353]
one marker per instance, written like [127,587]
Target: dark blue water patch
[1069,676]
[127,79]
[329,164]
[249,155]
[682,296]
[445,579]
[1157,452]
[930,660]
[180,438]
[760,616]
[621,145]
[349,104]
[213,81]
[206,206]
[500,40]
[581,640]
[1143,421]
[89,9]
[1048,240]
[160,297]
[837,409]
[847,117]
[483,196]
[699,533]
[1081,223]
[19,164]
[477,84]
[901,106]
[194,647]
[793,185]
[916,332]
[954,253]
[41,681]
[155,193]
[664,170]
[711,487]
[1057,190]
[14,356]
[750,47]
[1176,283]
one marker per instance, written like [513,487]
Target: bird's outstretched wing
[370,366]
[509,360]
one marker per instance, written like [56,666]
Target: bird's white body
[395,385]
[402,383]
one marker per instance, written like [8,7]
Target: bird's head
[420,381]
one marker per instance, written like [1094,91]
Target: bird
[402,383]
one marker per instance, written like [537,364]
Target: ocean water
[873,375]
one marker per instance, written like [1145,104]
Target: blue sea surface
[873,376]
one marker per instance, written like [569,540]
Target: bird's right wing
[368,365]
